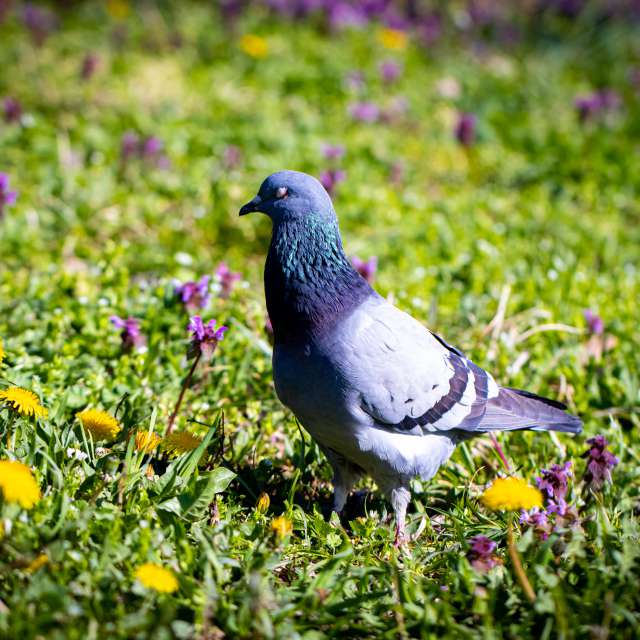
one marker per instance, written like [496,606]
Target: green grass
[542,210]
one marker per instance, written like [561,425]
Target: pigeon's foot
[401,538]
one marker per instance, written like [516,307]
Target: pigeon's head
[288,195]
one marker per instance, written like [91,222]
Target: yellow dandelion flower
[263,503]
[100,424]
[155,577]
[511,494]
[23,401]
[38,563]
[147,442]
[18,484]
[393,39]
[181,442]
[254,46]
[281,526]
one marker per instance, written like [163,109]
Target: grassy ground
[540,214]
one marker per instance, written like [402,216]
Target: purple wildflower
[151,151]
[6,197]
[226,278]
[333,151]
[40,22]
[594,104]
[366,268]
[595,324]
[194,295]
[600,461]
[90,64]
[537,519]
[554,482]
[148,149]
[465,129]
[364,111]
[330,179]
[558,507]
[151,147]
[204,337]
[390,71]
[129,145]
[130,335]
[430,29]
[343,14]
[12,110]
[481,554]
[231,156]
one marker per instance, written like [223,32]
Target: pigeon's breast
[308,382]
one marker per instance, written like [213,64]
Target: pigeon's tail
[515,409]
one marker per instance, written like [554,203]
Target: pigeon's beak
[251,206]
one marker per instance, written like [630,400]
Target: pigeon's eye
[282,192]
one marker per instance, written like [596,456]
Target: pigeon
[380,393]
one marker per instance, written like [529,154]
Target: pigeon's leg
[400,496]
[345,475]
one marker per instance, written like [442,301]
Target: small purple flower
[194,295]
[554,482]
[39,21]
[129,145]
[151,151]
[130,334]
[430,29]
[204,337]
[480,553]
[559,507]
[7,197]
[151,147]
[90,64]
[364,111]
[343,14]
[148,149]
[600,461]
[366,268]
[231,156]
[465,129]
[12,110]
[595,324]
[390,71]
[537,519]
[227,279]
[333,151]
[330,178]
[594,104]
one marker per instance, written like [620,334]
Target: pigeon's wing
[410,381]
[407,378]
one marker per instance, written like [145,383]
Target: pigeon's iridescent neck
[309,282]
